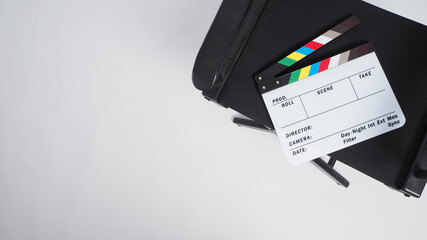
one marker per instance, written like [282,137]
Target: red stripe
[324,65]
[313,45]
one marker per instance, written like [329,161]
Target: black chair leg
[332,173]
[250,124]
[327,168]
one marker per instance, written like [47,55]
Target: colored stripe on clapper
[312,46]
[327,63]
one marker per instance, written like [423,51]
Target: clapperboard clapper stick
[267,79]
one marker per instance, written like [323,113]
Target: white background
[103,136]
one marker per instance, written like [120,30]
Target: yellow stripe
[304,72]
[296,56]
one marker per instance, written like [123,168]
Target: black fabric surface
[400,44]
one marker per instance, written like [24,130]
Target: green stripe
[294,76]
[287,62]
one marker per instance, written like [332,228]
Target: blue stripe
[314,69]
[305,50]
